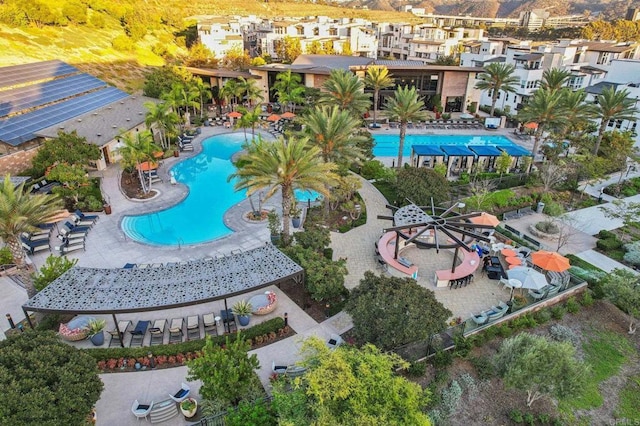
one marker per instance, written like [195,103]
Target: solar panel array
[19,74]
[22,128]
[34,95]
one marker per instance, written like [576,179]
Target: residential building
[536,19]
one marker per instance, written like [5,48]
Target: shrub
[417,369]
[374,169]
[604,234]
[484,367]
[561,333]
[251,413]
[557,312]
[451,398]
[587,298]
[462,346]
[469,383]
[516,416]
[6,258]
[572,305]
[442,359]
[529,419]
[547,226]
[542,316]
[609,244]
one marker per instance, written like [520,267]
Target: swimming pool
[387,145]
[199,217]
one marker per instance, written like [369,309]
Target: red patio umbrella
[512,260]
[234,114]
[485,219]
[507,252]
[288,115]
[531,126]
[158,154]
[273,117]
[550,261]
[147,165]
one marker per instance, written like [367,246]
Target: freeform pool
[387,145]
[199,217]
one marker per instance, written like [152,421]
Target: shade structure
[508,252]
[485,219]
[531,126]
[288,115]
[550,261]
[513,260]
[147,165]
[529,277]
[234,114]
[273,117]
[457,150]
[485,150]
[515,150]
[427,150]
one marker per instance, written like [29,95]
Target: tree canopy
[350,386]
[68,148]
[389,311]
[622,288]
[419,184]
[45,381]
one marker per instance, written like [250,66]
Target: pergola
[113,291]
[411,222]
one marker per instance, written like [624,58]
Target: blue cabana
[427,150]
[515,151]
[457,151]
[485,150]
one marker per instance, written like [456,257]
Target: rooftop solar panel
[19,74]
[22,128]
[34,95]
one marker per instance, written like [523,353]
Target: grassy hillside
[90,46]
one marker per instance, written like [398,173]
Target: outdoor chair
[157,332]
[86,216]
[175,330]
[539,294]
[480,319]
[118,339]
[129,266]
[71,227]
[69,246]
[32,247]
[138,333]
[35,237]
[70,233]
[553,290]
[141,410]
[182,394]
[193,327]
[210,324]
[228,321]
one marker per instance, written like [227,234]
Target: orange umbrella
[147,165]
[273,117]
[288,115]
[532,126]
[485,219]
[550,261]
[508,252]
[512,260]
[158,154]
[234,114]
[58,216]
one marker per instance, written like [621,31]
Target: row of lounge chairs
[185,142]
[74,231]
[440,124]
[492,314]
[38,240]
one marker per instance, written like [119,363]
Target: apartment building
[221,33]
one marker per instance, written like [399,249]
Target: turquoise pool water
[305,196]
[387,145]
[199,217]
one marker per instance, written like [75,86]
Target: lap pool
[387,145]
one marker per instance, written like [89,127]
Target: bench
[532,241]
[525,211]
[386,249]
[163,411]
[513,214]
[514,231]
[470,261]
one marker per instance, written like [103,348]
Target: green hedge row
[102,354]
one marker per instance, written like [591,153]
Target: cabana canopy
[427,150]
[111,291]
[485,150]
[457,150]
[515,151]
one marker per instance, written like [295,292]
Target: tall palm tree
[579,112]
[21,212]
[250,117]
[405,106]
[230,92]
[137,150]
[377,78]
[283,165]
[334,131]
[163,118]
[555,78]
[249,88]
[546,108]
[345,89]
[289,89]
[497,76]
[180,97]
[612,105]
[204,93]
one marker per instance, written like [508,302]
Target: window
[300,30]
[506,96]
[604,58]
[575,82]
[523,84]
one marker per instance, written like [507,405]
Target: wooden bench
[532,241]
[163,411]
[386,248]
[514,231]
[469,263]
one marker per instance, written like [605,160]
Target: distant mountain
[607,9]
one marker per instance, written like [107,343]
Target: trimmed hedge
[103,354]
[609,244]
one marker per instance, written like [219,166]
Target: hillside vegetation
[117,40]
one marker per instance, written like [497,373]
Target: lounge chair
[79,221]
[480,319]
[71,233]
[141,410]
[138,333]
[157,332]
[118,339]
[33,247]
[175,330]
[193,327]
[129,266]
[182,394]
[68,247]
[86,216]
[539,294]
[210,324]
[73,228]
[36,237]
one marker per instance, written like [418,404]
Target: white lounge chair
[182,394]
[141,410]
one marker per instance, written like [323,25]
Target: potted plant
[189,407]
[96,333]
[274,225]
[295,216]
[438,111]
[243,310]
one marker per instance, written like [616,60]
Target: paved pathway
[603,262]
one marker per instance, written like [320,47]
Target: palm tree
[250,89]
[21,212]
[137,150]
[334,131]
[182,97]
[546,108]
[285,165]
[204,92]
[497,76]
[230,91]
[289,89]
[163,118]
[555,78]
[249,119]
[345,89]
[377,78]
[612,105]
[405,106]
[579,112]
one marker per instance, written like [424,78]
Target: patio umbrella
[507,252]
[531,126]
[529,277]
[288,115]
[273,117]
[550,261]
[158,154]
[485,219]
[234,114]
[147,165]
[513,260]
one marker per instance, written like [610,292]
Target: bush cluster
[561,333]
